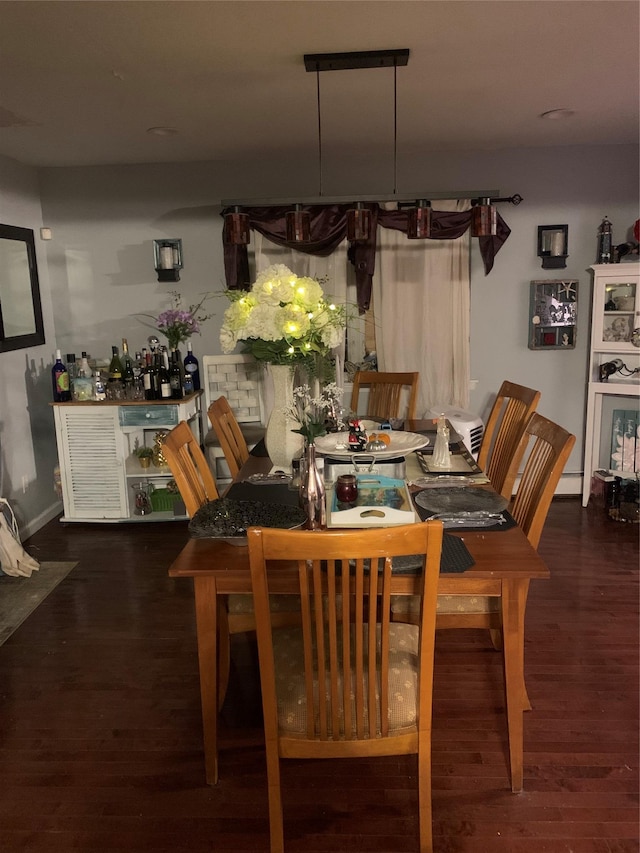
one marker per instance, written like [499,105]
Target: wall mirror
[20,308]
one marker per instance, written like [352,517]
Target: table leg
[207,628]
[514,602]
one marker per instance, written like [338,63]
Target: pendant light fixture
[419,220]
[483,219]
[236,228]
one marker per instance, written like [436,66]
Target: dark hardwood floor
[100,731]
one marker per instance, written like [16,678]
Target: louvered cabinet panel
[91,455]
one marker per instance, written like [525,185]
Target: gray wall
[27,438]
[104,219]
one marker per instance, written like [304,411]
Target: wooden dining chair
[508,417]
[347,682]
[386,392]
[196,486]
[547,447]
[189,467]
[227,429]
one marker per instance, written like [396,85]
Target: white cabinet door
[616,307]
[91,462]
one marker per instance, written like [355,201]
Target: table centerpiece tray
[381,502]
[336,445]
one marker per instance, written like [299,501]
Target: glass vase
[312,491]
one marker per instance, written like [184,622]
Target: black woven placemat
[455,558]
[508,523]
[268,493]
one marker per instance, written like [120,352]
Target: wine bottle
[115,366]
[147,378]
[175,377]
[192,367]
[164,381]
[60,380]
[127,365]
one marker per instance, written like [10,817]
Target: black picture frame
[553,314]
[21,323]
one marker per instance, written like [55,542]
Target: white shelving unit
[95,451]
[615,314]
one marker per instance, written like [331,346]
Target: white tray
[375,513]
[402,443]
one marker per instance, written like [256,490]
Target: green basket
[162,500]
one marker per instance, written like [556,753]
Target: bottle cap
[59,355]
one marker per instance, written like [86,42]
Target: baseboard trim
[39,521]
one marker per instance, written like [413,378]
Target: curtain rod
[350,199]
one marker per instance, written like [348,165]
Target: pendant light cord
[319,132]
[395,125]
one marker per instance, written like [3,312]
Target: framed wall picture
[553,313]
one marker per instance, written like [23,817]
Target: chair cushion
[252,432]
[447,604]
[403,679]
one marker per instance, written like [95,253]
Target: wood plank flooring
[100,730]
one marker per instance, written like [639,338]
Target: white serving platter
[336,444]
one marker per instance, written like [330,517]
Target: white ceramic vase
[282,444]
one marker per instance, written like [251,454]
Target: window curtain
[422,305]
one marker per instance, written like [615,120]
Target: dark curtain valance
[329,229]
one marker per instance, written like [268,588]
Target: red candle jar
[347,488]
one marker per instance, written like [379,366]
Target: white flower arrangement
[283,319]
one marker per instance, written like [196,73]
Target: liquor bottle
[72,369]
[192,367]
[115,366]
[83,384]
[60,380]
[164,381]
[99,390]
[127,365]
[605,242]
[175,377]
[84,364]
[138,365]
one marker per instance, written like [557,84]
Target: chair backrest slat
[227,428]
[500,442]
[386,392]
[189,467]
[548,446]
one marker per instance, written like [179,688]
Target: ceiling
[82,82]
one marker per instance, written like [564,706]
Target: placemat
[455,559]
[509,521]
[268,493]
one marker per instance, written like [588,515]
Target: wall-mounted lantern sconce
[168,259]
[553,246]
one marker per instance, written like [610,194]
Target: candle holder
[553,246]
[168,259]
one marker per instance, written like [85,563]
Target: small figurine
[357,435]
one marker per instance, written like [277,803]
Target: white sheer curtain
[421,303]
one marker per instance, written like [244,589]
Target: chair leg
[496,638]
[425,817]
[224,651]
[276,827]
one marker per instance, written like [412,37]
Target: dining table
[504,563]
